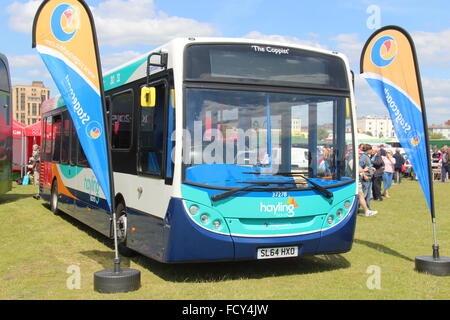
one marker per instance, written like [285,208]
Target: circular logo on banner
[65,22]
[384,51]
[93,130]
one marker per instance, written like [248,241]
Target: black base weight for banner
[439,266]
[113,281]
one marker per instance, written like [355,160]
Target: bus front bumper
[185,241]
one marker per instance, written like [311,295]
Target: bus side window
[122,120]
[108,112]
[65,137]
[48,139]
[56,155]
[73,145]
[4,83]
[82,160]
[5,105]
[151,134]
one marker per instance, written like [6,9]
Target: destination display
[263,63]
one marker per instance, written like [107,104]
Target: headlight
[193,209]
[204,218]
[330,220]
[216,224]
[347,204]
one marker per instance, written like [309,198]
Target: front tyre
[122,228]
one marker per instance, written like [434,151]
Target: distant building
[27,100]
[378,127]
[296,126]
[442,129]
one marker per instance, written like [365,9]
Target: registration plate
[280,252]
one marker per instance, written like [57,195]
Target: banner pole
[435,245]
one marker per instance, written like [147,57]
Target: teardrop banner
[389,64]
[65,37]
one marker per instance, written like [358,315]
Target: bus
[5,127]
[206,139]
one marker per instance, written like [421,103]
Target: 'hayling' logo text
[278,209]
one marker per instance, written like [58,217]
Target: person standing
[36,155]
[378,164]
[389,168]
[399,162]
[366,171]
[445,163]
[436,155]
[37,160]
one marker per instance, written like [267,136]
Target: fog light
[330,220]
[339,213]
[193,209]
[347,204]
[216,224]
[204,218]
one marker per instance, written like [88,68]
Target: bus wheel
[122,227]
[54,198]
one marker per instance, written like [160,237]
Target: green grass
[37,247]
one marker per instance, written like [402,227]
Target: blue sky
[127,28]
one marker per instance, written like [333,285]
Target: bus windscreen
[263,63]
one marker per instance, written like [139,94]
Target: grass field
[37,248]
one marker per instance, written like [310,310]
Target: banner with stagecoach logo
[64,35]
[389,64]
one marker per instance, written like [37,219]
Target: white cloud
[286,39]
[433,48]
[37,74]
[113,60]
[437,99]
[29,67]
[25,61]
[132,22]
[121,22]
[350,45]
[22,15]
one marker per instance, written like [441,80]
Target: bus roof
[136,68]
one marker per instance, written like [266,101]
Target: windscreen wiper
[316,186]
[228,193]
[322,190]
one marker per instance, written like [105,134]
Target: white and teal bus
[222,149]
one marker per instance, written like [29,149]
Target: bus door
[67,170]
[152,135]
[45,176]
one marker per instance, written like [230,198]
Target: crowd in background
[376,167]
[441,160]
[380,168]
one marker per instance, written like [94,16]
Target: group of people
[377,166]
[440,158]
